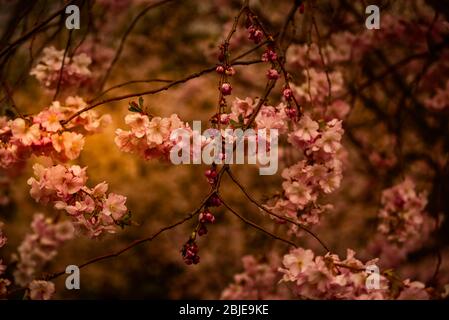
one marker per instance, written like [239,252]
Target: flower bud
[226,89]
[272,74]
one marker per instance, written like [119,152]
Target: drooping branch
[262,207]
[61,71]
[125,36]
[34,30]
[121,85]
[154,91]
[256,226]
[138,242]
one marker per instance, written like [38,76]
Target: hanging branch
[125,36]
[62,65]
[250,198]
[256,226]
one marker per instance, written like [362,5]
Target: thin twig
[325,66]
[126,84]
[9,95]
[61,71]
[250,198]
[153,91]
[125,36]
[35,29]
[290,18]
[256,226]
[135,242]
[269,87]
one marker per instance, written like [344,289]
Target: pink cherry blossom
[41,290]
[259,280]
[68,143]
[115,206]
[2,236]
[402,216]
[25,134]
[47,70]
[40,246]
[139,124]
[307,130]
[92,210]
[149,138]
[158,130]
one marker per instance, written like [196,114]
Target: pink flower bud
[287,93]
[190,253]
[255,34]
[220,69]
[291,113]
[225,119]
[210,173]
[269,55]
[226,89]
[207,217]
[272,74]
[230,71]
[214,201]
[202,230]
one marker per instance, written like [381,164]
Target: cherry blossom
[41,290]
[149,137]
[40,246]
[329,277]
[92,211]
[4,283]
[402,215]
[318,174]
[258,281]
[42,134]
[48,69]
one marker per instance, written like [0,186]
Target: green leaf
[133,107]
[236,124]
[125,221]
[141,102]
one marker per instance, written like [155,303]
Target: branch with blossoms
[325,84]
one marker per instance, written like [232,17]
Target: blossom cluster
[4,283]
[320,172]
[40,246]
[258,281]
[317,132]
[440,100]
[323,87]
[190,249]
[41,290]
[149,137]
[256,34]
[92,209]
[75,70]
[413,34]
[403,225]
[328,277]
[43,133]
[268,117]
[402,215]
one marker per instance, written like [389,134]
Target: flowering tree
[361,115]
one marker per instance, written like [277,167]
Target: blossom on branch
[92,210]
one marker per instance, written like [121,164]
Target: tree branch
[256,226]
[250,198]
